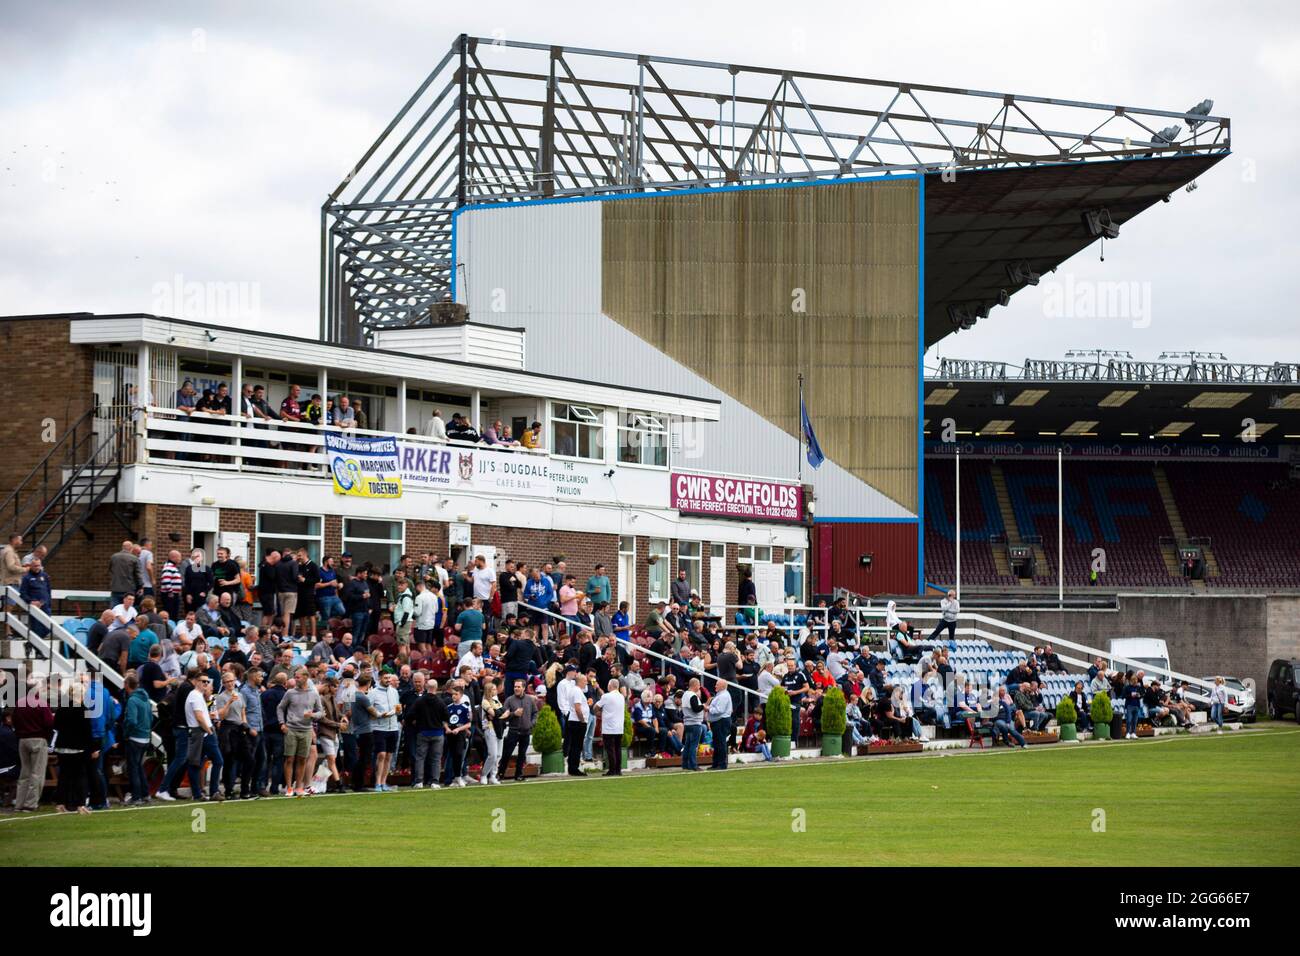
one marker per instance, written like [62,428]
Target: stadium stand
[1249,514]
[981,525]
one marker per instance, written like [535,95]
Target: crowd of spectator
[318,675]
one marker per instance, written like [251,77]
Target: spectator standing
[286,586]
[137,728]
[35,590]
[33,723]
[298,709]
[457,730]
[720,718]
[76,747]
[1218,701]
[429,718]
[11,573]
[124,573]
[146,568]
[196,582]
[170,585]
[521,713]
[435,427]
[388,708]
[693,724]
[949,607]
[612,706]
[598,586]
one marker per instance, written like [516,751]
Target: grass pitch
[1206,800]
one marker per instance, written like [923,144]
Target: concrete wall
[1237,635]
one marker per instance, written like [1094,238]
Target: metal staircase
[79,473]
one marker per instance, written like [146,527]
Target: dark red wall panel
[892,545]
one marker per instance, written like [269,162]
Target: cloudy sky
[146,142]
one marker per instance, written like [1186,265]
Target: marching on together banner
[364,465]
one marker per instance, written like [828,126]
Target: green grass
[1229,800]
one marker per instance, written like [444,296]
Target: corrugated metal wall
[748,287]
[544,262]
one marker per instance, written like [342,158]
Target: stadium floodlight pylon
[503,120]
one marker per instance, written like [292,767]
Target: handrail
[631,644]
[58,632]
[69,434]
[73,494]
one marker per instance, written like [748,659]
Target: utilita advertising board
[749,498]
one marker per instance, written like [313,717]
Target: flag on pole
[815,456]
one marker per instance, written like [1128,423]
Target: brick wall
[45,376]
[582,551]
[428,536]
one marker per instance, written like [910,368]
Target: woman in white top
[488,711]
[1218,700]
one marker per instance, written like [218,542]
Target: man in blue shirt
[469,623]
[35,590]
[457,729]
[622,624]
[598,585]
[539,592]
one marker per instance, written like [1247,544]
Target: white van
[1147,651]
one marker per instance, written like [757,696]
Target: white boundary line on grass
[13,817]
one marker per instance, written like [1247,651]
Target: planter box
[780,746]
[552,763]
[1101,731]
[1145,730]
[1032,738]
[832,746]
[530,769]
[1069,732]
[893,747]
[659,761]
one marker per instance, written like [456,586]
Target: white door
[237,542]
[718,579]
[627,583]
[488,551]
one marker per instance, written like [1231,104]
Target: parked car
[1283,697]
[1241,699]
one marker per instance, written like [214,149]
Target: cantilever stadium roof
[501,121]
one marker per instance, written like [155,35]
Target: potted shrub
[548,741]
[627,736]
[1067,717]
[776,720]
[833,723]
[1101,713]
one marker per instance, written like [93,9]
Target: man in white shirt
[485,580]
[124,613]
[146,567]
[720,710]
[473,658]
[426,614]
[199,721]
[435,427]
[572,699]
[611,707]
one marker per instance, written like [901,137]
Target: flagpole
[800,420]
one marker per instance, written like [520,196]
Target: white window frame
[276,539]
[399,541]
[661,568]
[748,554]
[802,565]
[695,579]
[585,417]
[640,425]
